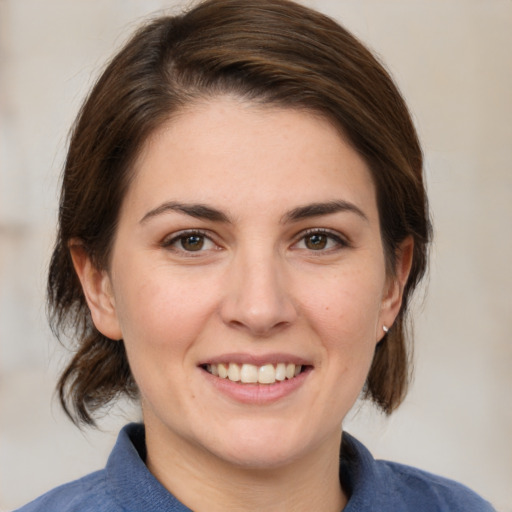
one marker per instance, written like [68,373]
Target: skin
[258,288]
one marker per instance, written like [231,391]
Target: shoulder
[89,493]
[419,488]
[389,486]
[124,484]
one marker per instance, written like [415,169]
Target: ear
[97,289]
[393,293]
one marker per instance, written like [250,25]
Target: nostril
[262,329]
[236,324]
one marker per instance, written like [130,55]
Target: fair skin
[249,235]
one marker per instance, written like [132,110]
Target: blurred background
[452,60]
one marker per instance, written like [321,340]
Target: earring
[385,329]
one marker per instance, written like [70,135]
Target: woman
[242,224]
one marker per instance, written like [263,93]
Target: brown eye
[316,242]
[192,242]
[189,242]
[321,241]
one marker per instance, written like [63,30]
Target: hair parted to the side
[275,52]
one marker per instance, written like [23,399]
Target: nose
[258,298]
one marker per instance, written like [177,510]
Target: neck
[204,483]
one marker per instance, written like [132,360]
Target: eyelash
[168,242]
[339,241]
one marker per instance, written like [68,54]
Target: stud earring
[385,329]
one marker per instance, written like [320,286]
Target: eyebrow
[199,211]
[319,209]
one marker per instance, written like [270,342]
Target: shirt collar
[130,481]
[135,488]
[358,473]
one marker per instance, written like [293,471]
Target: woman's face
[248,244]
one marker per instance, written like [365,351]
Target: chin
[262,446]
[257,457]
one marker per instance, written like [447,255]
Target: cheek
[160,325]
[347,306]
[160,314]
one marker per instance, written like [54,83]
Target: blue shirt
[373,485]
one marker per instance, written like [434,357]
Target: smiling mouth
[252,374]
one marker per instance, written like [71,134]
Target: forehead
[236,154]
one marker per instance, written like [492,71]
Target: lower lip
[257,394]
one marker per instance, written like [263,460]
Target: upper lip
[257,359]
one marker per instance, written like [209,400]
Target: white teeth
[267,374]
[280,371]
[290,371]
[251,374]
[234,372]
[221,369]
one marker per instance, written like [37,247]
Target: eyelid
[169,240]
[339,238]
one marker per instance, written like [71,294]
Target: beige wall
[452,61]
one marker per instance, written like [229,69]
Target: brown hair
[270,51]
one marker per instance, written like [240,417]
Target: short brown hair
[272,51]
